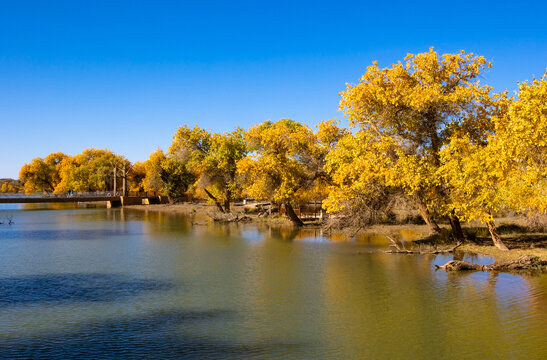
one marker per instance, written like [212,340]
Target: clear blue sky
[125,75]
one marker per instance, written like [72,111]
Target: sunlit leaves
[42,175]
[508,171]
[407,113]
[286,162]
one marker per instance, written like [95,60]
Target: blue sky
[125,75]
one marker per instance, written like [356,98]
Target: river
[98,283]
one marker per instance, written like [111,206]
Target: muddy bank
[208,211]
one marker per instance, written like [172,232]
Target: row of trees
[423,131]
[9,186]
[92,170]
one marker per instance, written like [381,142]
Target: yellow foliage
[509,171]
[211,158]
[92,170]
[286,161]
[405,115]
[42,175]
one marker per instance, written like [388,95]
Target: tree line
[10,186]
[424,131]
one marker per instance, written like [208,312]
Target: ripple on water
[68,288]
[159,335]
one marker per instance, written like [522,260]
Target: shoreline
[410,232]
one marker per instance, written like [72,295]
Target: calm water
[104,283]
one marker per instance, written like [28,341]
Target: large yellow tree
[91,170]
[136,176]
[413,109]
[286,161]
[168,174]
[42,175]
[522,137]
[358,191]
[212,159]
[509,170]
[153,173]
[218,168]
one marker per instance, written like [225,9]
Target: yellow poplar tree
[219,166]
[42,175]
[286,160]
[414,108]
[212,159]
[136,176]
[476,176]
[356,167]
[91,170]
[522,140]
[167,174]
[509,171]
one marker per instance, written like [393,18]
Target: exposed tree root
[526,262]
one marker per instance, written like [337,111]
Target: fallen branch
[526,262]
[228,217]
[356,231]
[419,252]
[9,220]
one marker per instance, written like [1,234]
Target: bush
[536,222]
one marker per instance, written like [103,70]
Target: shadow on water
[73,288]
[62,234]
[160,335]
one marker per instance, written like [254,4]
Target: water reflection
[274,285]
[461,316]
[68,288]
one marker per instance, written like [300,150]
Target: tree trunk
[292,215]
[217,203]
[526,262]
[495,236]
[115,177]
[124,189]
[227,201]
[433,226]
[456,227]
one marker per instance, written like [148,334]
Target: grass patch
[504,255]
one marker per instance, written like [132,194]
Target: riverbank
[479,242]
[500,255]
[210,212]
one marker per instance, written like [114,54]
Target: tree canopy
[423,130]
[285,164]
[410,111]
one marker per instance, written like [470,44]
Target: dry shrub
[362,211]
[536,222]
